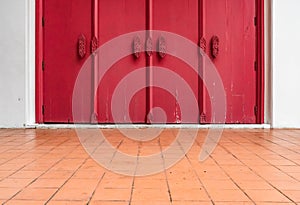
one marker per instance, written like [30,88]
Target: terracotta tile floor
[247,167]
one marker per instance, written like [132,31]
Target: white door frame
[30,63]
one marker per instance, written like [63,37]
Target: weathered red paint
[231,31]
[66,22]
[99,21]
[117,18]
[186,25]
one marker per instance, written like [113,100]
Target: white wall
[286,63]
[17,64]
[12,62]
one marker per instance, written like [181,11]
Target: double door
[74,29]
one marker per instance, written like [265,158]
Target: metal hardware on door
[202,44]
[94,44]
[137,47]
[162,47]
[81,46]
[149,46]
[214,44]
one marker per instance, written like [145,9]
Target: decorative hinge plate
[137,47]
[81,50]
[202,44]
[94,44]
[214,44]
[149,46]
[162,48]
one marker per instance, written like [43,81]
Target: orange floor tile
[50,166]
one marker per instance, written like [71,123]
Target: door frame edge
[29,64]
[260,5]
[39,61]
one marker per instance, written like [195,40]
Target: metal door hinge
[202,45]
[43,109]
[255,109]
[43,65]
[255,65]
[203,118]
[255,21]
[43,21]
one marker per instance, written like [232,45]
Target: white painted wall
[17,64]
[16,59]
[12,63]
[286,64]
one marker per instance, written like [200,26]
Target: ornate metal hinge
[214,43]
[94,44]
[137,47]
[202,44]
[149,46]
[162,48]
[81,46]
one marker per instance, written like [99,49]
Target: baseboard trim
[130,126]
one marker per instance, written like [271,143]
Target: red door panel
[179,17]
[118,18]
[65,21]
[232,21]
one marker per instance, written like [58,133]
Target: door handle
[215,47]
[162,47]
[137,47]
[81,46]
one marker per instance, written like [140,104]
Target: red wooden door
[117,18]
[232,24]
[65,23]
[179,17]
[70,25]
